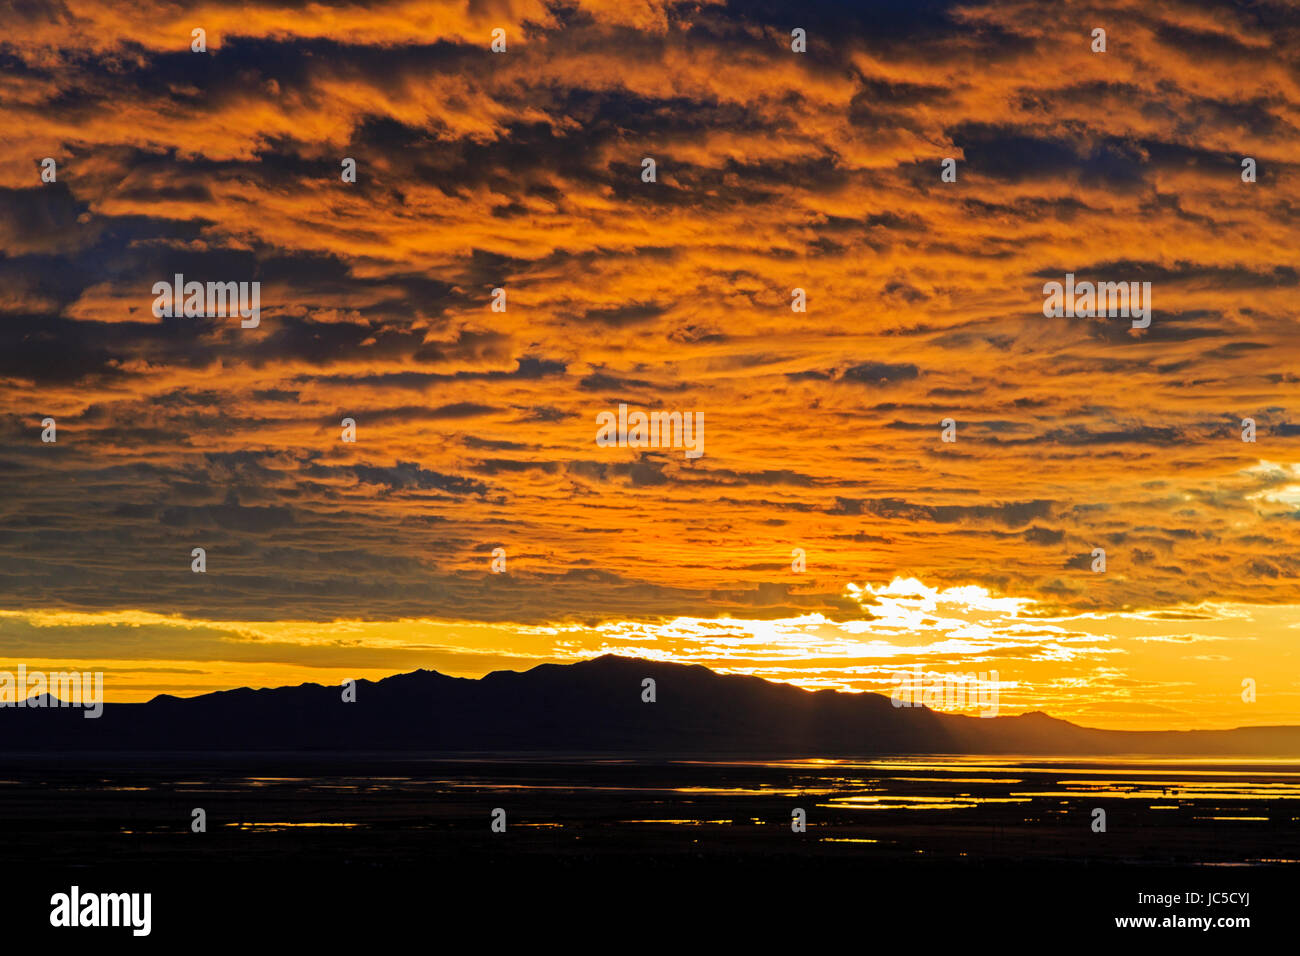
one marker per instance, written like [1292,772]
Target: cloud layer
[775,171]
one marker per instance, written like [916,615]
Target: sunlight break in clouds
[1104,668]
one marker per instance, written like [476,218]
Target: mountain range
[590,706]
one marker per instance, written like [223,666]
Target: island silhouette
[595,705]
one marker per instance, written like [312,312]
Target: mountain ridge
[591,705]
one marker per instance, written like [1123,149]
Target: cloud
[522,171]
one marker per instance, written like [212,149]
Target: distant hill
[593,705]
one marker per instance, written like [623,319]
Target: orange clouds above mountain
[522,170]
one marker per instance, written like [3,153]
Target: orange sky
[476,429]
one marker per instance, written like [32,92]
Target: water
[1206,811]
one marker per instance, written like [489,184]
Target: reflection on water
[1211,787]
[952,782]
[916,802]
[1195,810]
[287,826]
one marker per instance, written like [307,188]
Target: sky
[476,429]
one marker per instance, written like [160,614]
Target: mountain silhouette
[593,705]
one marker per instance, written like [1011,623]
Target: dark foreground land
[306,847]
